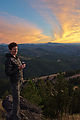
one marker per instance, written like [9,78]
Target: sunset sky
[40,21]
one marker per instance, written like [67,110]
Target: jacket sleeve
[9,68]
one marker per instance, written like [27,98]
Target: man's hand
[22,66]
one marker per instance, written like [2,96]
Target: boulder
[28,110]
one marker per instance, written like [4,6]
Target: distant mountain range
[46,58]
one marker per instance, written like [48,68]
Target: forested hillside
[58,97]
[45,59]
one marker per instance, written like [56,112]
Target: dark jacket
[11,68]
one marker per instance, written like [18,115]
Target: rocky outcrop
[28,110]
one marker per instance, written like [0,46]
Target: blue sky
[39,21]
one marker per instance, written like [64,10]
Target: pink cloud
[16,29]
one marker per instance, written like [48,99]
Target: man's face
[14,50]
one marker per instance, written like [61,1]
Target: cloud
[63,17]
[18,30]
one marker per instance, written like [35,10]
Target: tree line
[55,99]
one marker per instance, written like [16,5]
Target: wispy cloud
[63,16]
[18,30]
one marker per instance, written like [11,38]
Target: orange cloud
[64,18]
[18,30]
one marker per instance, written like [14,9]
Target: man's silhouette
[14,69]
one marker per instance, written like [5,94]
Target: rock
[28,110]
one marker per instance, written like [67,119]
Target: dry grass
[2,112]
[68,117]
[65,117]
[71,117]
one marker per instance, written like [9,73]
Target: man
[14,69]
